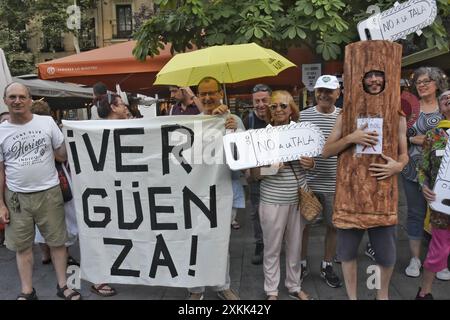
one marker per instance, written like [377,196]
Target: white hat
[327,81]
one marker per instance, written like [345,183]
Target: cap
[328,82]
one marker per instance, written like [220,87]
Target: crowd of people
[34,210]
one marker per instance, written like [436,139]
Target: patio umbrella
[5,78]
[227,63]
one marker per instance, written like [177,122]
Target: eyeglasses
[424,82]
[261,87]
[208,93]
[274,107]
[21,98]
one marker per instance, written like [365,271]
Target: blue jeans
[417,209]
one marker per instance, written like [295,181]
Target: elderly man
[256,119]
[322,177]
[211,94]
[29,145]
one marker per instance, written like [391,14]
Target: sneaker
[413,270]
[258,258]
[443,275]
[195,296]
[336,260]
[428,296]
[330,277]
[370,252]
[228,294]
[304,270]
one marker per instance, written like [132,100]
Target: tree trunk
[361,200]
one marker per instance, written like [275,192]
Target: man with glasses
[29,145]
[256,119]
[321,178]
[211,95]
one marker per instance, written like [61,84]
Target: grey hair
[10,84]
[435,74]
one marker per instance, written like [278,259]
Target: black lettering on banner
[167,149]
[76,160]
[154,209]
[166,261]
[193,258]
[100,164]
[127,246]
[105,210]
[121,216]
[210,213]
[119,149]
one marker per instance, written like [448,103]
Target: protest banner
[259,147]
[153,200]
[442,184]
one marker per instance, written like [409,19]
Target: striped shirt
[323,177]
[282,188]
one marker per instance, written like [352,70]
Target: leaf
[319,14]
[301,33]
[308,9]
[258,33]
[292,32]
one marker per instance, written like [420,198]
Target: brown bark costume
[362,201]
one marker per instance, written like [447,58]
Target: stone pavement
[247,279]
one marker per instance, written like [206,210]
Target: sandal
[70,296]
[300,295]
[103,290]
[271,297]
[235,225]
[28,296]
[46,261]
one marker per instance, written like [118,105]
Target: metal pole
[225,94]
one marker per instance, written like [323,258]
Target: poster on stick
[442,184]
[373,125]
[260,147]
[153,200]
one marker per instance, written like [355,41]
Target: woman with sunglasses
[428,83]
[278,208]
[434,146]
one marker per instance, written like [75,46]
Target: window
[87,35]
[124,21]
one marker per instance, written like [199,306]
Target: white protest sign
[373,124]
[442,184]
[398,21]
[310,74]
[153,200]
[256,148]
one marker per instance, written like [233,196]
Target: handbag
[64,181]
[309,205]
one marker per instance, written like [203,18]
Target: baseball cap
[328,82]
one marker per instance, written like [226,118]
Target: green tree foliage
[21,20]
[325,26]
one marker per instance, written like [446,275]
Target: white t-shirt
[94,113]
[27,153]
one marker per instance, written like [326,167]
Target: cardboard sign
[398,21]
[310,74]
[153,206]
[442,184]
[373,124]
[260,147]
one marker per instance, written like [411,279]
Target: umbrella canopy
[111,65]
[55,89]
[227,63]
[5,78]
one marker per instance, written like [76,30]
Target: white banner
[153,200]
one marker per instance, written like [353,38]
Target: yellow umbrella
[227,63]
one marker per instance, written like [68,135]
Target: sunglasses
[274,107]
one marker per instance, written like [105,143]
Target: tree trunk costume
[362,201]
